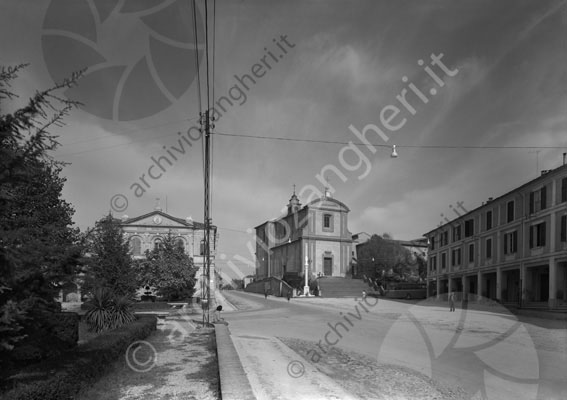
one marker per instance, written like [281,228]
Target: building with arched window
[317,232]
[147,231]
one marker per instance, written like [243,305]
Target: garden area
[46,352]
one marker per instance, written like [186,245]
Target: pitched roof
[191,224]
[543,176]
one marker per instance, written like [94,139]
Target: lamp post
[306,287]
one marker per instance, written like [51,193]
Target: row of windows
[537,202]
[537,238]
[136,245]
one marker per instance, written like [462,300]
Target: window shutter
[506,238]
[543,198]
[542,227]
[531,236]
[564,228]
[532,199]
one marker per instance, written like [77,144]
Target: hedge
[64,376]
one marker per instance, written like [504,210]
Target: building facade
[316,233]
[147,231]
[512,249]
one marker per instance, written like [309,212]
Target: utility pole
[206,122]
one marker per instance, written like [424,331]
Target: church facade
[316,234]
[147,231]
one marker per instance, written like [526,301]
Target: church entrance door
[328,266]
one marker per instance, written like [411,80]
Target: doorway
[544,287]
[328,266]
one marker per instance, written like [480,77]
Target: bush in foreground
[64,376]
[107,311]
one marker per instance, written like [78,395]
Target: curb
[224,299]
[234,384]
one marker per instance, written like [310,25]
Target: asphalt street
[485,350]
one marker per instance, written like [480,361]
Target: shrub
[64,376]
[107,311]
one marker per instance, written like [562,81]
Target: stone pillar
[437,296]
[525,283]
[553,266]
[479,285]
[499,284]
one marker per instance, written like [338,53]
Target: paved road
[484,350]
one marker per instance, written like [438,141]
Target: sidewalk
[277,372]
[264,368]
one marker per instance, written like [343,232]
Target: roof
[558,170]
[331,199]
[192,224]
[318,200]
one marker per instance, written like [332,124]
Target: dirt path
[177,361]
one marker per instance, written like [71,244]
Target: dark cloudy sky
[344,66]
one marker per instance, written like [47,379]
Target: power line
[127,131]
[382,144]
[120,144]
[197,55]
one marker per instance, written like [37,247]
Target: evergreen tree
[110,264]
[168,268]
[39,248]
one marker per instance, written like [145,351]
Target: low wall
[274,286]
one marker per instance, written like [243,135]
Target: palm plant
[121,312]
[107,311]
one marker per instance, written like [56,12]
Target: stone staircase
[342,287]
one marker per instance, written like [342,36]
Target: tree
[39,248]
[169,269]
[110,264]
[237,283]
[381,258]
[421,267]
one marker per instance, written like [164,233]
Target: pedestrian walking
[452,301]
[289,294]
[265,294]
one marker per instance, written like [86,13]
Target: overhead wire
[212,159]
[197,71]
[129,142]
[127,131]
[288,139]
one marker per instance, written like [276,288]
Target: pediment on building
[160,219]
[328,203]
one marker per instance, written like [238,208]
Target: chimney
[564,156]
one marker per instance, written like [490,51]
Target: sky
[308,93]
